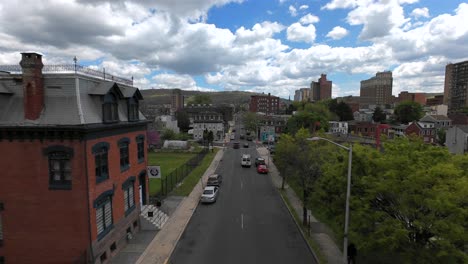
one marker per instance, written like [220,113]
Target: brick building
[264,104]
[74,176]
[377,90]
[412,97]
[436,100]
[322,89]
[456,86]
[425,130]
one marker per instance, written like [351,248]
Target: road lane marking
[241,184]
[242,221]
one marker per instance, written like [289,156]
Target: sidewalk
[319,231]
[160,249]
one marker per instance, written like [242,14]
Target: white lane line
[242,221]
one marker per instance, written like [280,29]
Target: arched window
[110,108]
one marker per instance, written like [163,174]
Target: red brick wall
[41,225]
[116,178]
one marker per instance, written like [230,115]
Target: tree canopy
[341,109]
[310,116]
[408,111]
[183,120]
[379,115]
[199,99]
[251,121]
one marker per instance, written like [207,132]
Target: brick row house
[74,164]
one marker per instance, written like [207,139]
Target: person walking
[352,253]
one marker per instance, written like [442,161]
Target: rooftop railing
[71,68]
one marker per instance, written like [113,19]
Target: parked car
[249,138]
[245,160]
[262,169]
[242,136]
[210,194]
[246,145]
[236,145]
[214,180]
[259,161]
[271,148]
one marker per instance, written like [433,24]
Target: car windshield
[208,192]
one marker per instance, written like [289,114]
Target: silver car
[210,194]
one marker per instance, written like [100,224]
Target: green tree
[251,121]
[344,112]
[408,111]
[168,134]
[200,99]
[183,120]
[310,116]
[441,136]
[379,115]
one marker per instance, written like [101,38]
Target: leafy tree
[408,111]
[251,121]
[310,116]
[344,112]
[199,99]
[379,115]
[168,134]
[210,137]
[183,120]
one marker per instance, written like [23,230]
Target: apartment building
[377,90]
[266,104]
[456,86]
[322,89]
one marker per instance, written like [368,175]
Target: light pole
[348,192]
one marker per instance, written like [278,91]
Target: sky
[269,46]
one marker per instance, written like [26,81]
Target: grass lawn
[194,177]
[169,161]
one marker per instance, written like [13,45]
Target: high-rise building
[377,90]
[264,103]
[456,86]
[322,89]
[177,102]
[303,94]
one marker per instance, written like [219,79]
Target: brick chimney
[33,85]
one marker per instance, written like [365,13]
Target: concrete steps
[152,218]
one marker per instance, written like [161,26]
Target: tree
[441,136]
[344,112]
[183,120]
[310,116]
[251,122]
[168,134]
[408,111]
[199,99]
[379,116]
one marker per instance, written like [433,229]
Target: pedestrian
[352,253]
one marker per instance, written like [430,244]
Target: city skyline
[273,47]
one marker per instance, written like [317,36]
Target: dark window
[110,108]
[60,173]
[103,257]
[2,260]
[101,163]
[1,229]
[129,194]
[124,158]
[135,224]
[140,148]
[133,109]
[113,247]
[104,220]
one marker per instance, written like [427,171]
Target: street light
[348,192]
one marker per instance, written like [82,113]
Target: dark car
[236,145]
[214,180]
[246,145]
[249,138]
[271,149]
[242,136]
[259,161]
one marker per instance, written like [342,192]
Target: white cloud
[292,11]
[309,19]
[336,4]
[302,7]
[337,33]
[299,33]
[420,12]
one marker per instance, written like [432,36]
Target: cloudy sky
[271,46]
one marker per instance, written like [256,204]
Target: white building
[167,122]
[338,127]
[210,121]
[456,139]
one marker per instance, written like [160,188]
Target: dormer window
[133,109]
[110,108]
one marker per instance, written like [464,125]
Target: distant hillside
[163,96]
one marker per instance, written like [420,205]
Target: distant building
[436,110]
[425,130]
[264,104]
[458,118]
[364,115]
[436,100]
[439,121]
[322,89]
[456,139]
[177,102]
[456,86]
[377,90]
[338,127]
[412,97]
[209,121]
[166,122]
[271,125]
[74,157]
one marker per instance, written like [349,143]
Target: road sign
[154,172]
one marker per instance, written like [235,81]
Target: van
[246,161]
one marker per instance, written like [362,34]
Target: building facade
[456,139]
[412,97]
[322,89]
[303,94]
[208,121]
[338,127]
[75,174]
[177,100]
[456,86]
[266,104]
[425,130]
[377,90]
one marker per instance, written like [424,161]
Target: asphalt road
[249,223]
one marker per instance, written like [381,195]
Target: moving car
[259,161]
[249,138]
[236,145]
[210,194]
[245,161]
[271,148]
[262,169]
[246,145]
[242,136]
[214,180]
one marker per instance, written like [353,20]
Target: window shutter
[126,194]
[130,196]
[99,220]
[108,213]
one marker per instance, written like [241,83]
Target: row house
[74,170]
[456,139]
[209,121]
[364,115]
[271,125]
[338,127]
[439,121]
[425,130]
[397,131]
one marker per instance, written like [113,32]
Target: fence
[169,182]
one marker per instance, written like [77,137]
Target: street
[249,223]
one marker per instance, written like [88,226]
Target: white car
[209,195]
